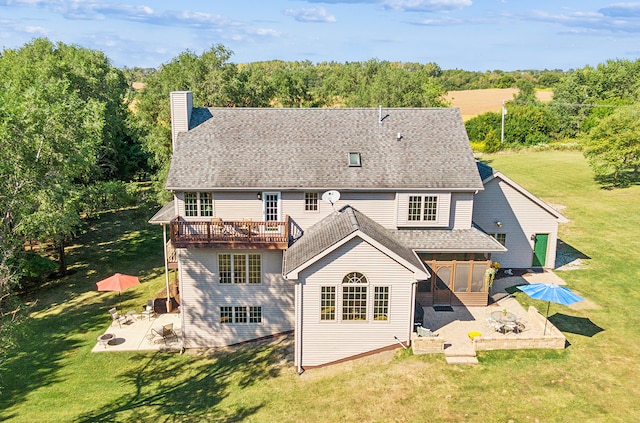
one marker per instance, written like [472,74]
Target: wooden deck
[215,233]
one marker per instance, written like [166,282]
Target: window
[224,268]
[310,201]
[206,204]
[226,314]
[501,238]
[423,208]
[381,303]
[355,160]
[328,303]
[240,314]
[354,297]
[239,268]
[190,204]
[255,314]
[198,204]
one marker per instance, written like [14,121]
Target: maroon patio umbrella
[117,282]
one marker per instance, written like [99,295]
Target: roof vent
[399,136]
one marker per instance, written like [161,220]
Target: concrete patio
[136,335]
[453,327]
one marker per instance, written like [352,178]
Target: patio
[453,327]
[137,335]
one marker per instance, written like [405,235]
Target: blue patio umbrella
[550,292]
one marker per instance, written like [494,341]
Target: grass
[53,376]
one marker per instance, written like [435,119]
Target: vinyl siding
[379,206]
[461,210]
[520,218]
[202,296]
[324,342]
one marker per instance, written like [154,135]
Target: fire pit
[106,339]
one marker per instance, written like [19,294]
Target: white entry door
[271,206]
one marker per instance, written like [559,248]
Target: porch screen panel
[477,277]
[461,283]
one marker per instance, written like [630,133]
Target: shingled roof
[335,228]
[272,148]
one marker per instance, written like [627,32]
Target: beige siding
[380,207]
[238,205]
[461,210]
[520,218]
[323,342]
[444,206]
[202,296]
[181,106]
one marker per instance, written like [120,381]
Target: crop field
[476,102]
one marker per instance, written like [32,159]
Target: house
[525,225]
[330,223]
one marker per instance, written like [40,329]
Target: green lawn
[53,376]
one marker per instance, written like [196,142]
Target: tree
[613,145]
[62,115]
[209,76]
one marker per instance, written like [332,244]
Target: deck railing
[230,233]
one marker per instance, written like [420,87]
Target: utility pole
[504,112]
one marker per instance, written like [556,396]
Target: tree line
[75,132]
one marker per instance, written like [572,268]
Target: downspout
[298,326]
[414,288]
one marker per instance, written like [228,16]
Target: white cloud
[314,14]
[426,5]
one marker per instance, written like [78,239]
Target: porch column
[166,265]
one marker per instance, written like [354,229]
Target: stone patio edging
[553,339]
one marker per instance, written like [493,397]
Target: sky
[474,35]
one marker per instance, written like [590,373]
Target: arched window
[354,296]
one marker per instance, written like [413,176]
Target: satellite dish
[331,197]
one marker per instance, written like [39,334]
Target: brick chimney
[181,106]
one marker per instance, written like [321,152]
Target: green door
[540,250]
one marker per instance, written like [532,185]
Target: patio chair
[165,332]
[117,317]
[149,310]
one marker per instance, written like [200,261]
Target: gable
[261,148]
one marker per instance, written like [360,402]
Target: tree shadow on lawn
[578,325]
[43,342]
[168,389]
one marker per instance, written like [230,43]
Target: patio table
[502,317]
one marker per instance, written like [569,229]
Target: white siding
[324,342]
[379,206]
[520,218]
[442,217]
[202,296]
[461,210]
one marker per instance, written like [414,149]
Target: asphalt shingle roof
[164,215]
[448,240]
[334,228]
[236,148]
